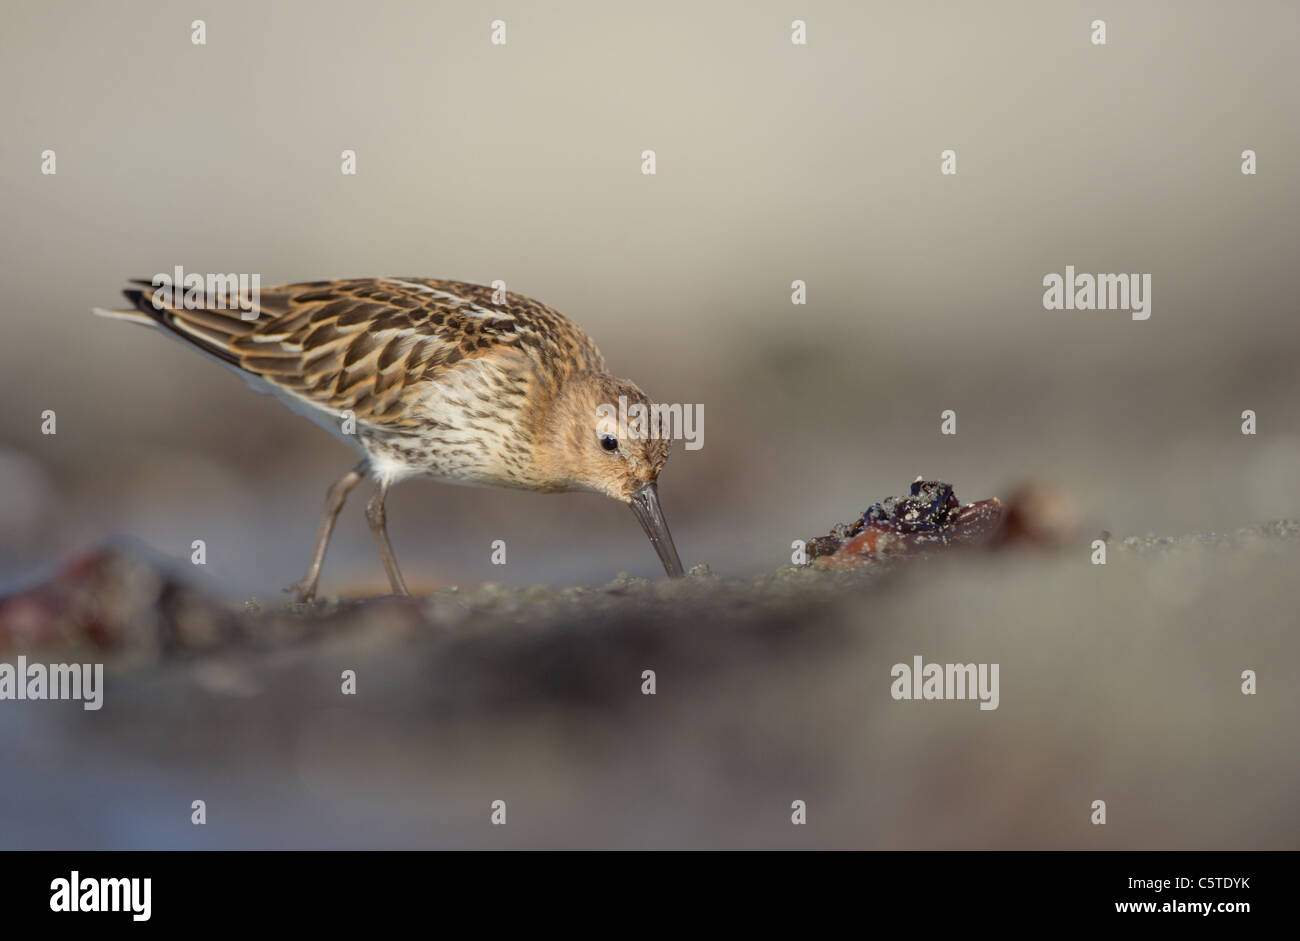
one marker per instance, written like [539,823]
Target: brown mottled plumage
[432,379]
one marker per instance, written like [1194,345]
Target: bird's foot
[306,592]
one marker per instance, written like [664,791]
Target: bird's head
[602,434]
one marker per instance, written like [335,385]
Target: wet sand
[1119,682]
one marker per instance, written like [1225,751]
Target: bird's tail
[210,331]
[143,313]
[132,315]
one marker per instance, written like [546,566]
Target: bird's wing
[360,345]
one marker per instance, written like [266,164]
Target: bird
[444,380]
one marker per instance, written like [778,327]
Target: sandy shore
[1119,682]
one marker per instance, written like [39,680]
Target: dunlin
[432,379]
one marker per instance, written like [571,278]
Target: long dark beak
[645,504]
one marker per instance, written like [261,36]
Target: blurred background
[776,162]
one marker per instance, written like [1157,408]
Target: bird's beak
[645,504]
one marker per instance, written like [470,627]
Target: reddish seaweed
[929,518]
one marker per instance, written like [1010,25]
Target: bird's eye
[609,442]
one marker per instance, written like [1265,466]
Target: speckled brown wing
[362,345]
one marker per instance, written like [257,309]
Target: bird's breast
[470,426]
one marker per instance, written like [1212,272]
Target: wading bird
[431,379]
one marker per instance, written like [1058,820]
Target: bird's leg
[334,499]
[379,526]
